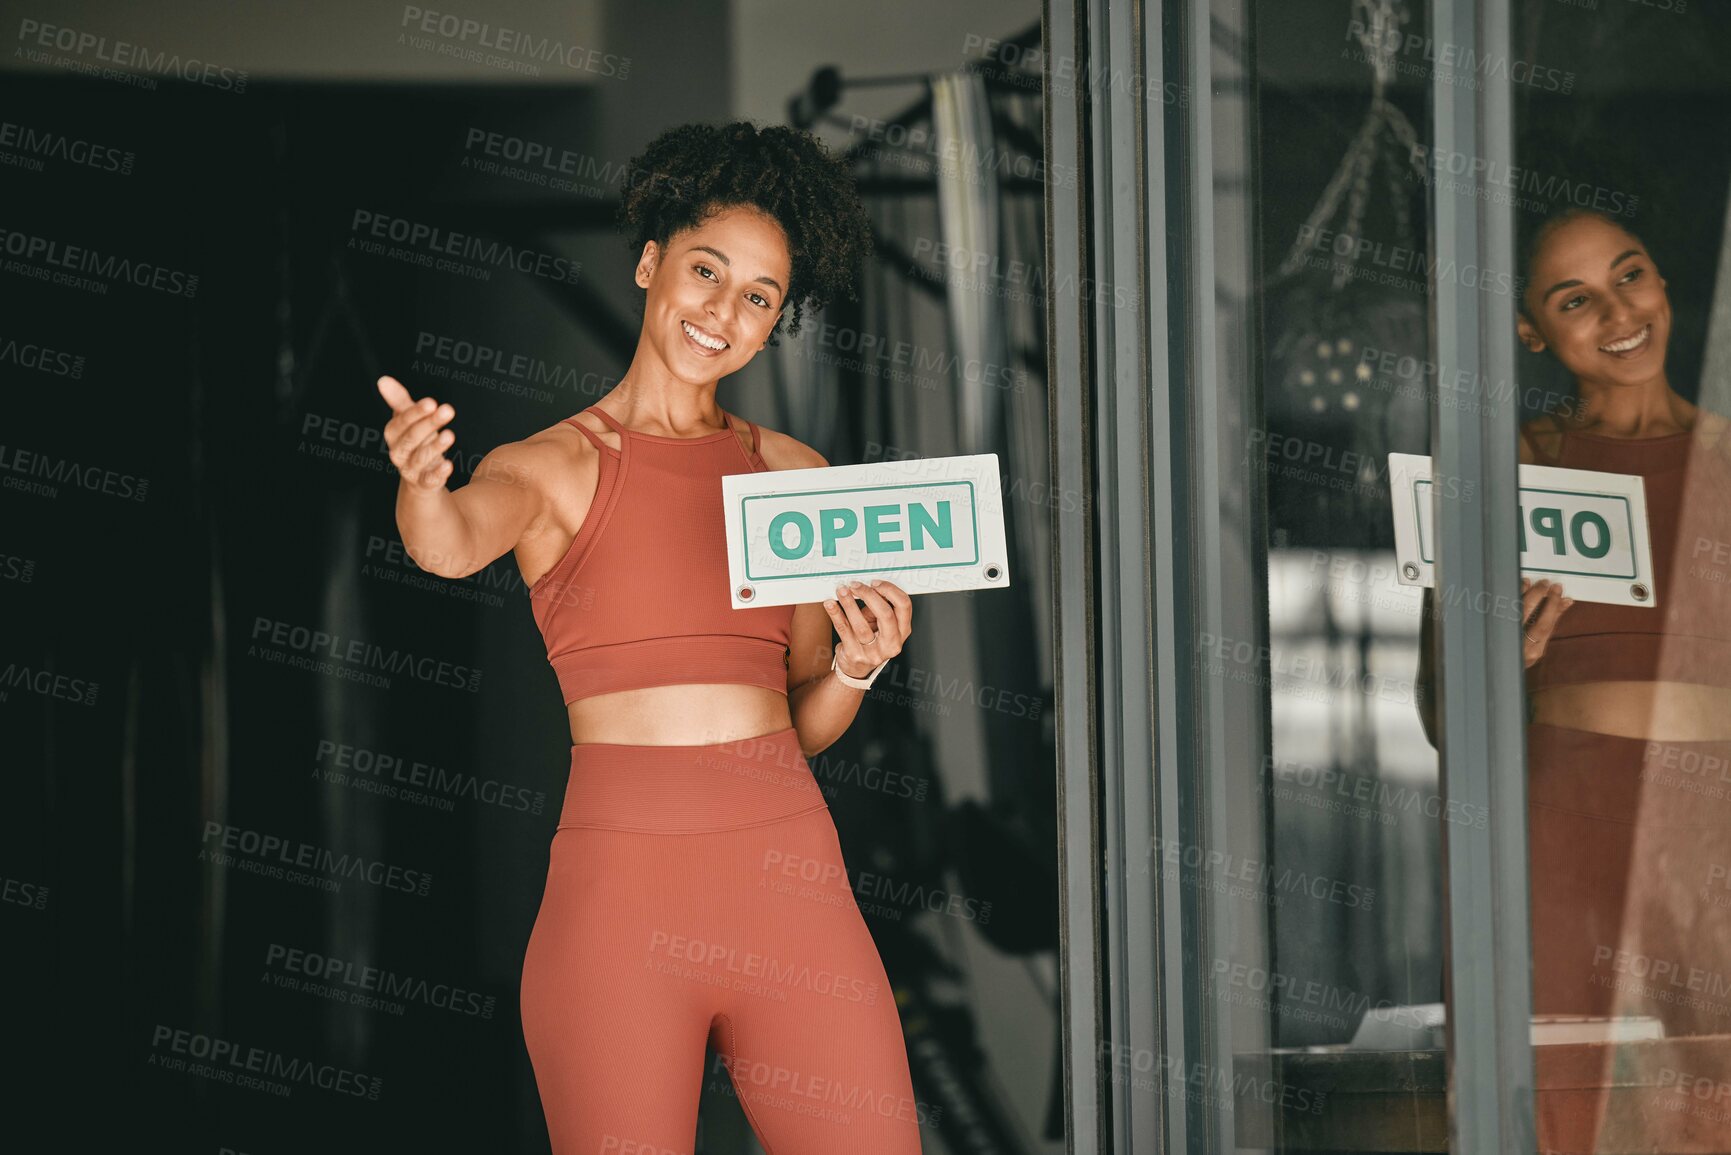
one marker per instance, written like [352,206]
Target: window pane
[1319,875]
[1629,691]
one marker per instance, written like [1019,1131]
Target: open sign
[927,524]
[1583,528]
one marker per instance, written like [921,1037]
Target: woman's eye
[758,297]
[1572,302]
[1632,274]
[703,268]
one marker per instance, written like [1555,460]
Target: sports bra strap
[1539,456]
[594,438]
[608,418]
[749,424]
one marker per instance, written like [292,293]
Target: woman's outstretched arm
[453,534]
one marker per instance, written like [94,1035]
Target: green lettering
[1585,518]
[875,528]
[920,522]
[777,535]
[837,524]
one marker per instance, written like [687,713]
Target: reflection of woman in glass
[696,891]
[1629,707]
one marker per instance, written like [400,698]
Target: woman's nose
[1617,315]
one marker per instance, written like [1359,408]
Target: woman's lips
[1632,345]
[702,349]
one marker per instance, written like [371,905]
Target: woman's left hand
[869,636]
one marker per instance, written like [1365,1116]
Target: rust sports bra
[640,599]
[1686,637]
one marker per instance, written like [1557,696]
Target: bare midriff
[679,715]
[1658,711]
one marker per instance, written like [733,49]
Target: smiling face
[1596,300]
[715,293]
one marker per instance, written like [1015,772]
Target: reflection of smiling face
[1596,300]
[728,279]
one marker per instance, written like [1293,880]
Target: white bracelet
[848,680]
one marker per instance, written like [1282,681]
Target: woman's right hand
[414,437]
[1541,605]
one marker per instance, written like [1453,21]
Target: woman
[1629,708]
[695,887]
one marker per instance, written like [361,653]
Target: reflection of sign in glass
[927,524]
[1583,528]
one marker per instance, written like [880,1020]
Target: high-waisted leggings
[697,894]
[1630,851]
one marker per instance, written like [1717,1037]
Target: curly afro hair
[694,171]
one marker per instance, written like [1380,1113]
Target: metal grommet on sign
[1410,571]
[1638,591]
[744,593]
[993,571]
